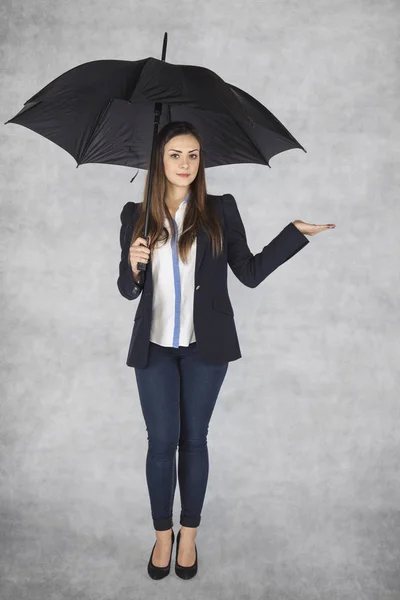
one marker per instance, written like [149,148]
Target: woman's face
[181,155]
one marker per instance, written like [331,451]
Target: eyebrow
[180,151]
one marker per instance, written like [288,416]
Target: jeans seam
[172,485]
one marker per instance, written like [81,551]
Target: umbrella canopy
[103,112]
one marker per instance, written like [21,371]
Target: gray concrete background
[303,494]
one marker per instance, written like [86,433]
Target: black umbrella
[102,112]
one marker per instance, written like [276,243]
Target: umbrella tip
[134,176]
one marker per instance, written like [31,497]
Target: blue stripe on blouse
[177,281]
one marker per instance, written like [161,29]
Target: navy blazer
[214,325]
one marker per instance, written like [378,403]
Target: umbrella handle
[142,266]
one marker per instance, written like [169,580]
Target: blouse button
[197,287]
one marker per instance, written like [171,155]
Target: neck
[175,195]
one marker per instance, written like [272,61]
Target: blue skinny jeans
[177,392]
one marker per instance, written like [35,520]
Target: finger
[319,228]
[139,241]
[142,247]
[139,256]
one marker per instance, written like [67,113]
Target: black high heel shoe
[160,572]
[184,572]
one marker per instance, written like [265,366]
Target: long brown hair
[199,212]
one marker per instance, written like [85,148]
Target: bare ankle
[190,531]
[164,534]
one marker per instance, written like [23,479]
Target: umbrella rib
[92,131]
[252,141]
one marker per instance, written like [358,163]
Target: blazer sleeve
[251,269]
[127,286]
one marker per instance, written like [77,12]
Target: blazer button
[197,287]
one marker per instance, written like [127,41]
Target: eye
[193,155]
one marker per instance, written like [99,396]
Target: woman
[184,333]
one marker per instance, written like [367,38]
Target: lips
[183,174]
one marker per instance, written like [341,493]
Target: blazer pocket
[223,304]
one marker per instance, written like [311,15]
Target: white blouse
[173,289]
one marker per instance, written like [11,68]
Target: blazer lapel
[202,242]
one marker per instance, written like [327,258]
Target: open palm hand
[311,228]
